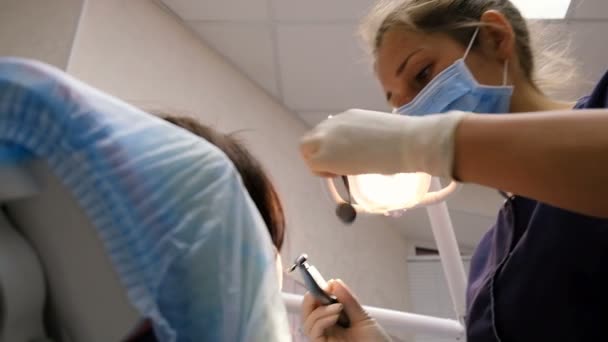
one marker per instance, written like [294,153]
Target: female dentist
[541,272]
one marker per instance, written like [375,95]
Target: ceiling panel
[247,10]
[589,9]
[320,10]
[589,48]
[248,46]
[323,69]
[582,43]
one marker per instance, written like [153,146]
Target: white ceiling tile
[588,47]
[543,9]
[589,9]
[248,46]
[323,69]
[585,44]
[247,10]
[320,10]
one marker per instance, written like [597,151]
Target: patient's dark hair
[256,181]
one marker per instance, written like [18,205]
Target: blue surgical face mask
[455,88]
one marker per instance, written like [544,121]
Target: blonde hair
[459,19]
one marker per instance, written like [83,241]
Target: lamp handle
[441,195]
[333,192]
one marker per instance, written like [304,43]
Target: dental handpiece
[315,284]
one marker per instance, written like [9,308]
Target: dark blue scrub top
[541,273]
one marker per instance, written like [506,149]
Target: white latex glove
[361,141]
[320,321]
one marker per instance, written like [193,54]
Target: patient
[256,182]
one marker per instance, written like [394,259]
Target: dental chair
[109,215]
[48,246]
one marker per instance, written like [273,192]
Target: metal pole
[449,253]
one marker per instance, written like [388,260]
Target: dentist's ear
[497,35]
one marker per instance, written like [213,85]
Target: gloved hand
[320,321]
[361,141]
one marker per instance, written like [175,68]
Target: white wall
[43,30]
[142,54]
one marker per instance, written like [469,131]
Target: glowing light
[389,192]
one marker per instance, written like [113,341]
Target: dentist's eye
[423,77]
